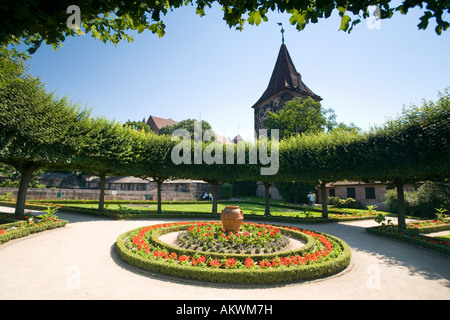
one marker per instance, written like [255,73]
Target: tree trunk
[22,193]
[401,205]
[158,189]
[215,185]
[101,200]
[324,199]
[267,198]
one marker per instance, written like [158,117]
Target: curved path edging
[77,262]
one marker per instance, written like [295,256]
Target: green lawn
[445,237]
[252,205]
[249,208]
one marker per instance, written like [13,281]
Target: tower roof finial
[282,32]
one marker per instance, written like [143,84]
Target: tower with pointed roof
[285,84]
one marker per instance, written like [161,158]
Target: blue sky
[202,68]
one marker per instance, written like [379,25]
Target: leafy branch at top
[34,22]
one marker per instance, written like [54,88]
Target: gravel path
[79,262]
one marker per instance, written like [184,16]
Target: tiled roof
[157,123]
[222,139]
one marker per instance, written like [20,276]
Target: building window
[370,192]
[351,193]
[332,192]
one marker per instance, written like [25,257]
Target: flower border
[411,237]
[137,247]
[22,228]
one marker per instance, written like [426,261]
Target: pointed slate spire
[285,76]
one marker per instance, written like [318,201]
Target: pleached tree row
[39,130]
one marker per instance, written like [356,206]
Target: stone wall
[273,192]
[169,192]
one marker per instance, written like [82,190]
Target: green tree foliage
[295,192]
[422,201]
[298,116]
[138,125]
[13,177]
[189,125]
[35,22]
[152,161]
[110,150]
[38,129]
[413,147]
[226,190]
[244,188]
[305,116]
[318,158]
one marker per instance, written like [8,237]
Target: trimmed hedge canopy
[40,130]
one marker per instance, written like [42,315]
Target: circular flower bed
[321,255]
[252,238]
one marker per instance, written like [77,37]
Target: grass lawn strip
[200,210]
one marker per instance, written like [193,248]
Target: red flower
[249,263]
[214,263]
[184,258]
[230,262]
[201,259]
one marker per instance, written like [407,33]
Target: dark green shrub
[423,201]
[345,203]
[244,189]
[295,192]
[227,190]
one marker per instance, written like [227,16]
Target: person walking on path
[311,198]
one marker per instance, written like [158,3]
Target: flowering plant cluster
[252,238]
[28,222]
[29,225]
[427,223]
[141,244]
[347,214]
[432,240]
[412,235]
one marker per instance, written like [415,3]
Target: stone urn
[232,218]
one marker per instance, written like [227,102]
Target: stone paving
[79,262]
